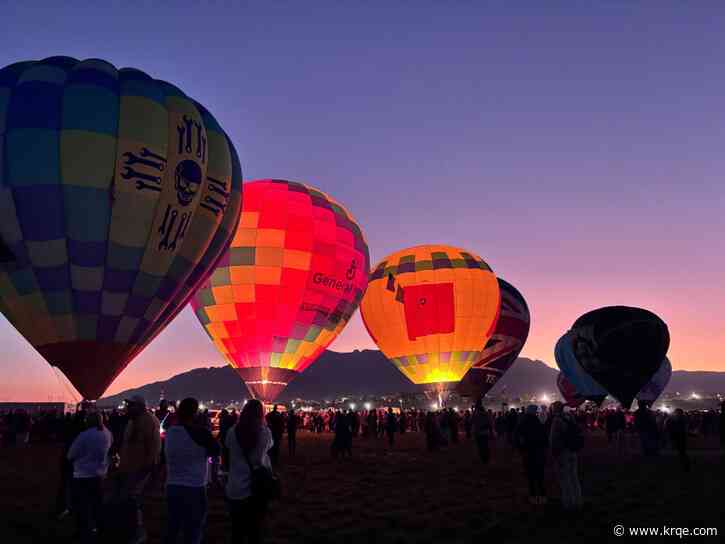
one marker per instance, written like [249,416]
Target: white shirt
[186,461]
[89,453]
[239,482]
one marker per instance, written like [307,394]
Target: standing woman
[249,442]
[89,455]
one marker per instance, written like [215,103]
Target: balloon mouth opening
[266,383]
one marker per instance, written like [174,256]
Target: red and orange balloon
[293,276]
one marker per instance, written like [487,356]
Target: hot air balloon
[293,276]
[585,386]
[621,348]
[503,348]
[431,309]
[648,394]
[117,195]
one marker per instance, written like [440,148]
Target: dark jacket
[531,434]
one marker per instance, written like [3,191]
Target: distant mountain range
[368,372]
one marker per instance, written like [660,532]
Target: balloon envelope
[648,394]
[292,278]
[621,348]
[503,348]
[568,392]
[117,193]
[586,386]
[431,309]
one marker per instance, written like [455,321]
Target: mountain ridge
[368,372]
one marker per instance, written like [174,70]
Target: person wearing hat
[139,454]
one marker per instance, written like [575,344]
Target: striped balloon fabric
[118,195]
[292,278]
[501,351]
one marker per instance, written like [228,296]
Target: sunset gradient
[578,150]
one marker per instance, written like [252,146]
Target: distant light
[434,406]
[694,396]
[455,408]
[202,407]
[368,406]
[666,409]
[352,406]
[544,398]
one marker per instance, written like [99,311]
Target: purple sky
[579,150]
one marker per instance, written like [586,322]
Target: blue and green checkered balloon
[118,195]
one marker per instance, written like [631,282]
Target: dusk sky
[579,150]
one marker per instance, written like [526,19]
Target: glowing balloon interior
[294,274]
[431,309]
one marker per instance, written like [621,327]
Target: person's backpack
[573,436]
[265,484]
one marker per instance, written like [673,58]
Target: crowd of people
[178,443]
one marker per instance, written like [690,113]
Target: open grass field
[408,495]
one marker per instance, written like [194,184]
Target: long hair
[250,422]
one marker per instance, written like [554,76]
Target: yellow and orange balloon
[431,309]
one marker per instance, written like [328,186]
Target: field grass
[407,495]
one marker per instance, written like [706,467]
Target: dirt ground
[407,495]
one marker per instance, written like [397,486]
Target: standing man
[677,427]
[163,410]
[467,424]
[646,425]
[292,433]
[188,447]
[89,455]
[531,439]
[276,425]
[566,441]
[482,430]
[372,428]
[391,426]
[139,455]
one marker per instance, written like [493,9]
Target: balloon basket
[439,393]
